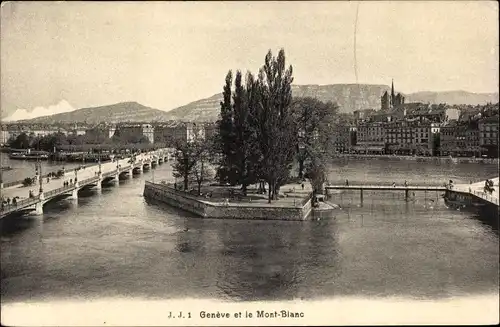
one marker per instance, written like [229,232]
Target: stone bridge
[75,180]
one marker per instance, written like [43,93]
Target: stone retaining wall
[208,209]
[437,160]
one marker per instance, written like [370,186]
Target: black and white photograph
[249,163]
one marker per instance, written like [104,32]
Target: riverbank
[437,160]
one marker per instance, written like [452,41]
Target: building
[488,135]
[370,138]
[472,140]
[448,134]
[364,114]
[393,101]
[404,137]
[431,113]
[4,136]
[99,133]
[134,132]
[341,138]
[174,132]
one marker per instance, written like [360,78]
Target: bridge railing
[58,191]
[19,205]
[109,173]
[20,181]
[88,180]
[87,165]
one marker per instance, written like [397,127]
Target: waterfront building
[472,142]
[174,132]
[100,132]
[460,139]
[341,138]
[136,131]
[409,137]
[488,135]
[448,138]
[370,138]
[4,135]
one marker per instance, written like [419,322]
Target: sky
[66,55]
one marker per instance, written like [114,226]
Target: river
[113,243]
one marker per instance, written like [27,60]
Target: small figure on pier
[71,181]
[406,183]
[346,182]
[393,184]
[302,185]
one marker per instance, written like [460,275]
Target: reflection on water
[112,243]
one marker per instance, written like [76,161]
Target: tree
[225,141]
[201,171]
[22,141]
[316,171]
[274,122]
[187,155]
[314,120]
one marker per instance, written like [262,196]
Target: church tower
[393,95]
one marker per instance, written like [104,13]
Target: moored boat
[28,156]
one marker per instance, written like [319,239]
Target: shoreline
[439,160]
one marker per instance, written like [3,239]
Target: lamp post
[40,178]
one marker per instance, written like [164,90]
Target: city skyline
[83,54]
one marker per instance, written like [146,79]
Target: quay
[75,180]
[296,207]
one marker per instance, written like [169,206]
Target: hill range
[349,97]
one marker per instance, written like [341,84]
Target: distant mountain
[453,97]
[349,97]
[115,113]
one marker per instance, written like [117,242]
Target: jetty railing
[486,196]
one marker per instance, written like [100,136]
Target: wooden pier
[406,189]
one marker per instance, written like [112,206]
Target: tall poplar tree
[226,135]
[277,138]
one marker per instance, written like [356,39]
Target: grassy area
[290,195]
